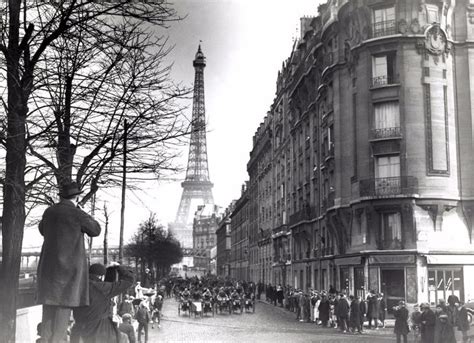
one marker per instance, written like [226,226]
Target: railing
[384,28]
[384,80]
[306,213]
[386,132]
[388,186]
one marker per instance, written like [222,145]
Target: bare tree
[32,30]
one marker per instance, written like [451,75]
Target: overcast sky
[245,43]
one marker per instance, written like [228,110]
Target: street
[267,324]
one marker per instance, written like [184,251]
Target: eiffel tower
[197,187]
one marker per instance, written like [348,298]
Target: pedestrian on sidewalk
[127,328]
[354,319]
[428,321]
[324,309]
[444,331]
[463,322]
[415,319]
[63,278]
[362,311]
[401,322]
[143,318]
[342,312]
[382,308]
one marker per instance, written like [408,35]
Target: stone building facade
[204,235]
[368,151]
[239,250]
[224,242]
[260,189]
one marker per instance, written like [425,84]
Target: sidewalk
[389,323]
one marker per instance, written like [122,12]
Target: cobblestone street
[267,324]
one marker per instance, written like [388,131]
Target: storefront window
[444,282]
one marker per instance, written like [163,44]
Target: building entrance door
[359,282]
[393,286]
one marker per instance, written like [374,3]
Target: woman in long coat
[428,322]
[354,318]
[324,308]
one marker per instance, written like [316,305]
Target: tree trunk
[13,217]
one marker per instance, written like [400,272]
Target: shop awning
[391,259]
[345,261]
[450,259]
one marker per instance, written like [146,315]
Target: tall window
[386,120]
[391,228]
[387,174]
[383,69]
[387,115]
[387,166]
[384,21]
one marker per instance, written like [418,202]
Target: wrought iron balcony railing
[384,28]
[386,132]
[384,80]
[306,213]
[388,186]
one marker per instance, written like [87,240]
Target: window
[386,120]
[384,21]
[387,166]
[387,115]
[391,227]
[387,175]
[383,69]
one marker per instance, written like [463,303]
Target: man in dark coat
[401,322]
[342,312]
[427,326]
[363,311]
[463,321]
[62,268]
[382,308]
[354,321]
[373,309]
[93,323]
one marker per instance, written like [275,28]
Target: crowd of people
[353,314]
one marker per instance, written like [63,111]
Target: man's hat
[69,190]
[97,269]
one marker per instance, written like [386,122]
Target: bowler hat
[97,269]
[69,190]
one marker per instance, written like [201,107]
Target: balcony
[388,186]
[306,213]
[384,28]
[387,133]
[384,80]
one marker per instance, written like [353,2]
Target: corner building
[378,155]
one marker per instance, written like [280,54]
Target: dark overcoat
[444,331]
[427,327]
[93,323]
[342,308]
[62,269]
[401,321]
[324,308]
[354,319]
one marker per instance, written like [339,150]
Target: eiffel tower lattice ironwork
[197,187]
